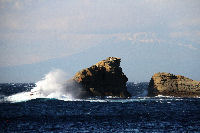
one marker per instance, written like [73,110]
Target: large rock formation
[104,79]
[167,84]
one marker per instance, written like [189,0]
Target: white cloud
[188,37]
[190,46]
[41,30]
[140,37]
[85,16]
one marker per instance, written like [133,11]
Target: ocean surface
[19,113]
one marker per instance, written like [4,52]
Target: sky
[37,36]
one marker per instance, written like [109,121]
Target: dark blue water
[138,114]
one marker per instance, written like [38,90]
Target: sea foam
[53,85]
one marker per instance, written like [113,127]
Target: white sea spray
[53,85]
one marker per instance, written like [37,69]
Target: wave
[53,85]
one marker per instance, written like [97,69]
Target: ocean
[136,114]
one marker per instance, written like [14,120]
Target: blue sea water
[137,114]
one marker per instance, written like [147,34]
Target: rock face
[167,84]
[104,79]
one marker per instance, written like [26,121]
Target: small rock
[167,84]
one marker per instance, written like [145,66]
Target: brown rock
[104,79]
[167,84]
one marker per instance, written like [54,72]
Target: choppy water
[137,114]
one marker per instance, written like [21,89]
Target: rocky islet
[168,84]
[105,78]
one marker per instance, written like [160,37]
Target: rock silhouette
[167,84]
[103,79]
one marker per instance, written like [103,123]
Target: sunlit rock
[167,84]
[105,78]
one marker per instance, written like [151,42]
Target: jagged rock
[167,84]
[104,79]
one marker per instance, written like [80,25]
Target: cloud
[37,30]
[190,46]
[140,37]
[189,39]
[72,16]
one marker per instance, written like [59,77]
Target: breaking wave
[53,85]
